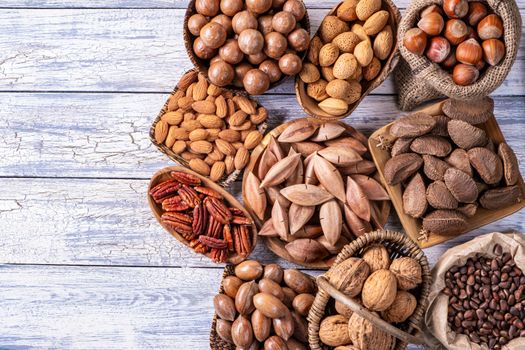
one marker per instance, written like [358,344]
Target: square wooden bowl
[413,226]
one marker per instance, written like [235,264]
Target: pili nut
[306,250]
[267,229]
[341,156]
[511,170]
[414,197]
[297,131]
[348,141]
[466,135]
[462,186]
[357,199]
[471,111]
[459,159]
[440,129]
[439,197]
[380,213]
[329,177]
[434,168]
[364,167]
[413,125]
[328,131]
[280,220]
[469,210]
[266,161]
[299,215]
[331,221]
[500,197]
[185,178]
[306,195]
[297,177]
[309,231]
[306,148]
[401,145]
[373,190]
[430,144]
[275,148]
[281,170]
[487,163]
[357,226]
[255,196]
[349,275]
[401,167]
[309,172]
[445,222]
[274,195]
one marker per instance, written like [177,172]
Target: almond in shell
[346,42]
[334,106]
[376,22]
[364,53]
[332,27]
[348,91]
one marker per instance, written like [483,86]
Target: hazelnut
[299,39]
[244,20]
[407,271]
[278,4]
[224,21]
[349,276]
[195,23]
[379,290]
[213,35]
[258,6]
[265,24]
[231,7]
[240,72]
[256,82]
[283,22]
[296,8]
[432,24]
[201,50]
[493,51]
[469,52]
[221,73]
[415,41]
[251,41]
[490,27]
[275,45]
[230,52]
[271,68]
[455,8]
[456,31]
[476,12]
[258,58]
[450,61]
[290,64]
[207,7]
[465,74]
[430,9]
[401,309]
[438,49]
[317,90]
[377,257]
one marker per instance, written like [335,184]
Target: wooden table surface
[83,263]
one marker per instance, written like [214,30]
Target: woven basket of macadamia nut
[351,54]
[373,297]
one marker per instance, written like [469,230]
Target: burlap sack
[419,80]
[437,332]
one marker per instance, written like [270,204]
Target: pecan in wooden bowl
[310,186]
[202,215]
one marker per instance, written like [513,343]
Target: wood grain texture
[135,50]
[106,135]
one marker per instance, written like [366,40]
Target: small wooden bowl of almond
[208,129]
[351,54]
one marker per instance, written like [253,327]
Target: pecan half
[200,219]
[208,191]
[198,247]
[174,204]
[227,234]
[213,242]
[218,210]
[175,224]
[189,195]
[236,211]
[245,240]
[185,178]
[218,255]
[241,220]
[214,228]
[164,190]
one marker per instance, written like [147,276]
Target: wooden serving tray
[164,174]
[413,226]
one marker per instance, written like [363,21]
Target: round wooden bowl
[164,174]
[275,244]
[398,245]
[310,105]
[203,65]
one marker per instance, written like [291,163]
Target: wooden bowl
[226,180]
[310,105]
[203,65]
[275,244]
[413,226]
[164,174]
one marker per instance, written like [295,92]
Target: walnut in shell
[366,336]
[333,330]
[349,276]
[407,271]
[376,256]
[379,290]
[401,309]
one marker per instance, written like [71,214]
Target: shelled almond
[211,129]
[313,188]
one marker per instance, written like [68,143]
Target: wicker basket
[226,180]
[203,65]
[398,245]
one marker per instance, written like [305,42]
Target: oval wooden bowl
[310,105]
[203,65]
[164,174]
[226,180]
[399,245]
[276,245]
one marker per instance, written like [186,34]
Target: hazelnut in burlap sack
[418,80]
[438,333]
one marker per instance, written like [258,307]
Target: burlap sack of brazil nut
[418,80]
[437,332]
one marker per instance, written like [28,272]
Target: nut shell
[275,45]
[271,68]
[283,22]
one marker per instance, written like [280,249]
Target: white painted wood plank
[118,50]
[108,222]
[106,135]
